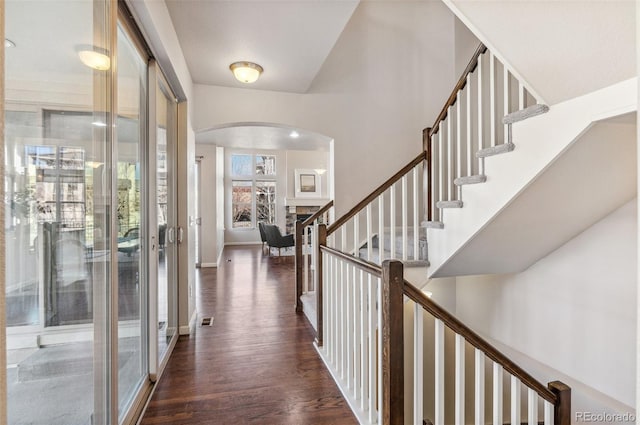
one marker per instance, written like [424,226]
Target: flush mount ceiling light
[294,134]
[246,72]
[95,60]
[8,43]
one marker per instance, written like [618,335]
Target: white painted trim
[208,265]
[483,38]
[219,260]
[186,330]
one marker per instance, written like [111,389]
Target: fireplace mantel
[305,202]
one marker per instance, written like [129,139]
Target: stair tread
[495,150]
[479,178]
[416,263]
[449,204]
[432,224]
[523,114]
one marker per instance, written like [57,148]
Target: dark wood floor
[256,364]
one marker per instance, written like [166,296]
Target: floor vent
[207,321]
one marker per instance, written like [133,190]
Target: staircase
[353,274]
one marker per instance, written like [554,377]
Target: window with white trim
[253,190]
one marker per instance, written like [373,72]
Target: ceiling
[563,49]
[264,136]
[289,39]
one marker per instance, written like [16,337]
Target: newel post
[392,343]
[299,264]
[426,173]
[562,410]
[319,282]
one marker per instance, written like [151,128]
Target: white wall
[208,204]
[385,80]
[574,310]
[312,160]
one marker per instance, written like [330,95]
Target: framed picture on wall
[307,183]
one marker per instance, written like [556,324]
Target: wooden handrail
[455,325]
[309,221]
[476,340]
[462,82]
[373,195]
[365,265]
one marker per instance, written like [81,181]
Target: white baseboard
[186,330]
[205,265]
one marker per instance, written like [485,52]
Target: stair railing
[386,223]
[305,241]
[472,126]
[364,349]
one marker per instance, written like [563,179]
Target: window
[253,190]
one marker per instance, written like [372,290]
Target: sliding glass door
[90,214]
[132,143]
[59,250]
[164,260]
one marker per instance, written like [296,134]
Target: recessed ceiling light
[8,43]
[294,134]
[95,60]
[246,72]
[99,124]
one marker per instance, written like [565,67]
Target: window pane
[241,204]
[241,165]
[242,215]
[266,201]
[266,165]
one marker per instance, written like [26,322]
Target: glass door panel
[166,133]
[57,224]
[131,221]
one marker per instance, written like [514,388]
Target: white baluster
[338,322]
[392,216]
[532,405]
[460,381]
[343,238]
[356,235]
[458,141]
[349,331]
[480,101]
[479,388]
[441,178]
[326,311]
[469,121]
[305,260]
[439,373]
[330,302]
[507,99]
[432,183]
[369,234]
[515,401]
[364,341]
[380,344]
[381,228]
[416,205]
[548,413]
[418,364]
[521,96]
[492,98]
[357,327]
[405,220]
[344,319]
[450,165]
[373,352]
[497,394]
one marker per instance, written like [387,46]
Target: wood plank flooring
[256,364]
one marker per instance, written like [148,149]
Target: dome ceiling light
[246,72]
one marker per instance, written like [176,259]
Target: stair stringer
[539,142]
